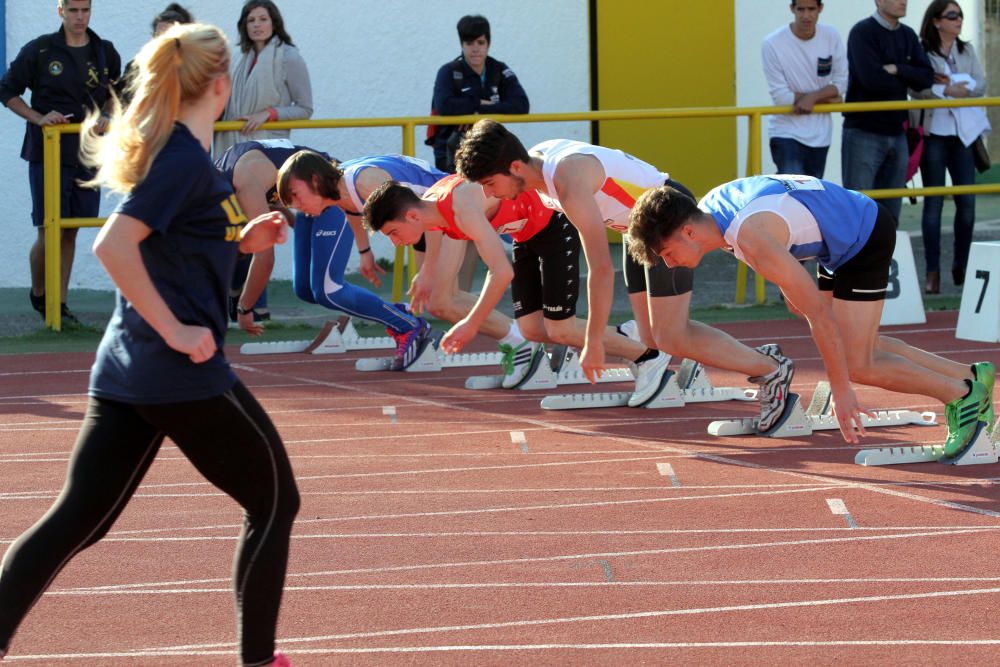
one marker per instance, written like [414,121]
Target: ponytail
[176,67]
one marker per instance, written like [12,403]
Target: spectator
[949,134]
[69,72]
[270,79]
[472,83]
[172,15]
[884,59]
[805,64]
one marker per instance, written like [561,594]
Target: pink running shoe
[280,660]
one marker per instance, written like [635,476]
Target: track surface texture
[608,536]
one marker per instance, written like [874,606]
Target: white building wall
[365,60]
[756,19]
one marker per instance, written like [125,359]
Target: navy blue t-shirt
[190,257]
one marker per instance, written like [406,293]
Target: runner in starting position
[771,222]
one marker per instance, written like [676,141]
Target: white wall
[755,19]
[365,60]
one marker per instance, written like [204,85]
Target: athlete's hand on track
[264,231]
[592,361]
[371,270]
[195,341]
[457,337]
[420,292]
[848,412]
[247,324]
[254,121]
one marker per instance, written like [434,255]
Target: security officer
[70,72]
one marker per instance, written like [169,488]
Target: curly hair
[657,214]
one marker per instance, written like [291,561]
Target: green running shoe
[985,375]
[962,415]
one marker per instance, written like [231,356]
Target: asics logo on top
[325,232]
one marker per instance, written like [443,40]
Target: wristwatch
[240,310]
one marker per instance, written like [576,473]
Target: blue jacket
[869,47]
[458,92]
[47,67]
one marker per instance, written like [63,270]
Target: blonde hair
[178,66]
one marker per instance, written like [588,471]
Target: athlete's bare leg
[451,304]
[874,364]
[678,335]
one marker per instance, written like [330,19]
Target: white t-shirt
[793,65]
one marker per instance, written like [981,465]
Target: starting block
[432,359]
[689,385]
[984,449]
[334,338]
[563,368]
[796,422]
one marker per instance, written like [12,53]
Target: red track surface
[436,540]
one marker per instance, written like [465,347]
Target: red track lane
[436,539]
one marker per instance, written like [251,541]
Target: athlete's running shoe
[281,660]
[985,375]
[650,378]
[409,344]
[962,415]
[774,387]
[520,362]
[629,329]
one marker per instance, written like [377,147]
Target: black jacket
[458,92]
[869,47]
[47,67]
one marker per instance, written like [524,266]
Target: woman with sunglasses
[949,134]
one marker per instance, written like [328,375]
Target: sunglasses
[952,16]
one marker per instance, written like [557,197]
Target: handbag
[981,154]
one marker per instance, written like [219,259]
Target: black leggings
[229,439]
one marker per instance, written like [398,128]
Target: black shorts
[547,271]
[659,279]
[864,277]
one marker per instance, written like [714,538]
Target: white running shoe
[650,378]
[520,362]
[629,329]
[774,388]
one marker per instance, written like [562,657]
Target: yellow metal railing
[408,125]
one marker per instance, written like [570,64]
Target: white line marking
[490,585]
[667,470]
[558,558]
[517,437]
[837,506]
[476,648]
[658,613]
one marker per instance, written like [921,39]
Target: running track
[436,539]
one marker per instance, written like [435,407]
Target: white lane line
[837,506]
[667,470]
[517,437]
[493,585]
[854,538]
[657,613]
[666,448]
[231,534]
[390,412]
[486,648]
